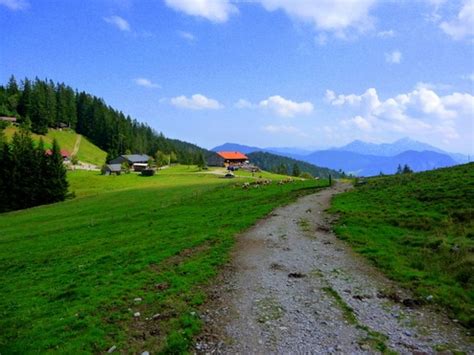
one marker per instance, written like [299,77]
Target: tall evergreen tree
[24,193]
[296,170]
[56,175]
[5,176]
[24,103]
[13,95]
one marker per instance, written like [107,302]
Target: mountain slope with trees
[289,166]
[49,105]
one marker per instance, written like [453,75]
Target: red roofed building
[64,153]
[233,158]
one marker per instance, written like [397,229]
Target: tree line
[29,174]
[50,105]
[288,166]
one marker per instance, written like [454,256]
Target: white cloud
[394,57]
[463,25]
[118,22]
[468,77]
[421,111]
[283,129]
[321,39]
[147,83]
[242,104]
[326,15]
[186,35]
[386,34]
[196,102]
[15,4]
[214,10]
[286,108]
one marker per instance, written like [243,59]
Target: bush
[306,175]
[148,172]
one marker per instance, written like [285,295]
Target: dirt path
[293,287]
[77,144]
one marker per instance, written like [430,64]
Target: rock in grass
[136,314]
[112,349]
[138,299]
[145,353]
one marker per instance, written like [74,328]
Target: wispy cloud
[196,102]
[336,16]
[242,104]
[462,27]
[394,57]
[217,11]
[15,5]
[286,108]
[283,129]
[118,22]
[187,36]
[147,83]
[386,34]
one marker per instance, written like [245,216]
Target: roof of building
[64,153]
[136,158]
[232,155]
[114,167]
[9,119]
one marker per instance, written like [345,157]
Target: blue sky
[264,72]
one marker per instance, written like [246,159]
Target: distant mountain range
[395,148]
[366,159]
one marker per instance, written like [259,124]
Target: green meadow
[419,229]
[126,262]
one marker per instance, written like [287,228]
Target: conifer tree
[296,170]
[57,181]
[5,178]
[24,103]
[201,163]
[23,181]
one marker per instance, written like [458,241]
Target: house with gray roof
[110,169]
[137,162]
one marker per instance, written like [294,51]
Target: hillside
[419,229]
[273,162]
[49,105]
[67,139]
[75,281]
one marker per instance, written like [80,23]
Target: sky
[278,73]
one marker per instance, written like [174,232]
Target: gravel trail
[293,287]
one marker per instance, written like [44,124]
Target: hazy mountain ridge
[363,158]
[369,165]
[395,148]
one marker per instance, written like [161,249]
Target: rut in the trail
[293,287]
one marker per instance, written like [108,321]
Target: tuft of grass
[70,272]
[374,339]
[419,229]
[347,311]
[304,225]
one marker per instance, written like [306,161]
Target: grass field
[419,229]
[74,274]
[88,152]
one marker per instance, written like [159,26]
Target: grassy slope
[69,272]
[88,152]
[419,229]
